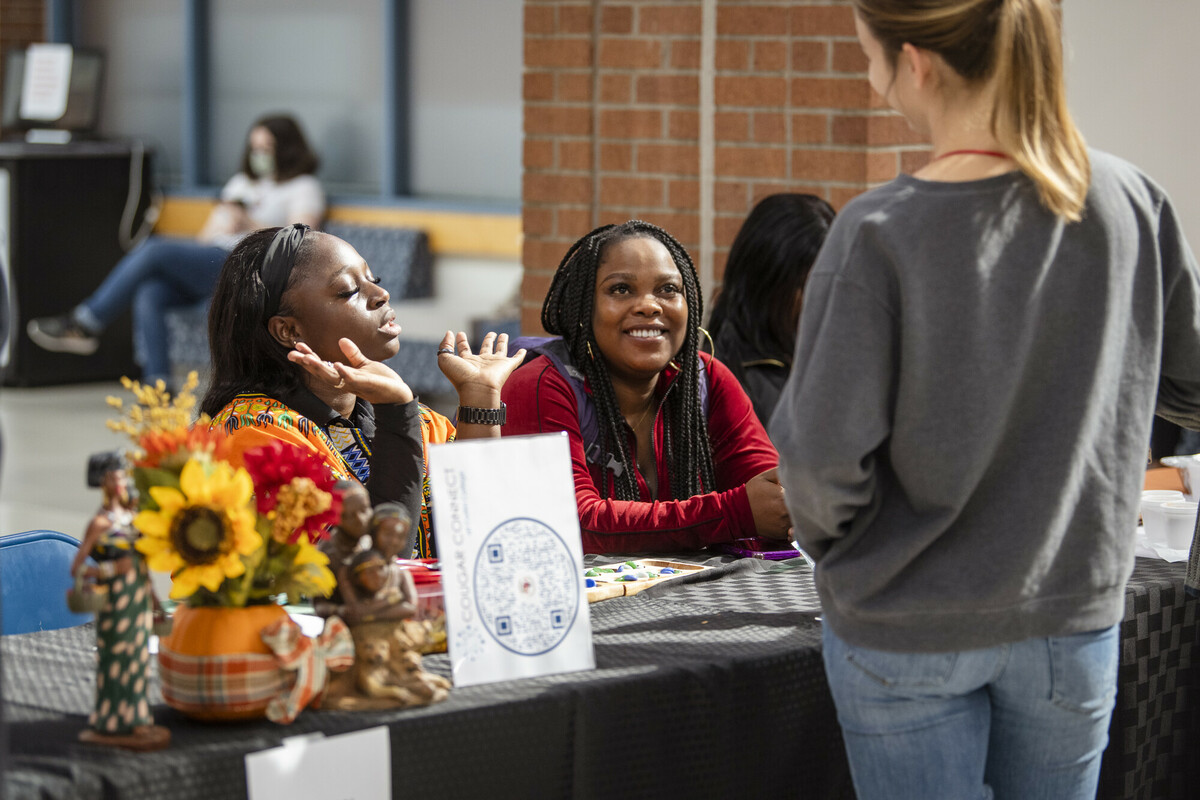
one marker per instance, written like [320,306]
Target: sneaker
[61,335]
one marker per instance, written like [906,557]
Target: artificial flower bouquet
[229,536]
[236,540]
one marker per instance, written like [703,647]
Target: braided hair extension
[567,312]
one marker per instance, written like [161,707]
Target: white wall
[1133,73]
[466,65]
[324,62]
[463,288]
[143,44]
[321,62]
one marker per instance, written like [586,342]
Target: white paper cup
[1180,517]
[1153,519]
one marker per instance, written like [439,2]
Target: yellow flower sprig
[155,410]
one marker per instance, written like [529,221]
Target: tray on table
[612,584]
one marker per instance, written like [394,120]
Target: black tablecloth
[703,688]
[714,690]
[1154,739]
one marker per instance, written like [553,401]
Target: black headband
[278,263]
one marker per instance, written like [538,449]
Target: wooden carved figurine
[121,716]
[379,598]
[387,671]
[347,538]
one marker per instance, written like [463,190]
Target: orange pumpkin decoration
[215,666]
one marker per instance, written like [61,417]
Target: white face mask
[262,163]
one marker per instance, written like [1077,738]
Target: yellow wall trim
[450,232]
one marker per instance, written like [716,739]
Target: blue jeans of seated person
[158,275]
[1023,721]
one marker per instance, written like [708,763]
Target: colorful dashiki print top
[251,420]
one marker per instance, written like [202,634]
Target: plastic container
[1180,523]
[1153,518]
[431,607]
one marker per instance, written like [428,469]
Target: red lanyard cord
[992,153]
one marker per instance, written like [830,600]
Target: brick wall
[22,22]
[622,117]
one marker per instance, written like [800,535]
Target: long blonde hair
[1018,42]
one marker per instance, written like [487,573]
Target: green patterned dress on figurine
[123,628]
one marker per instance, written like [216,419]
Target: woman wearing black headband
[298,329]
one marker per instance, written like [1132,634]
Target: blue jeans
[1025,720]
[158,275]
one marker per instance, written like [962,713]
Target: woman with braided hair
[680,460]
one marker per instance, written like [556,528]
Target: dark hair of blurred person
[753,324]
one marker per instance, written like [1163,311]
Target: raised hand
[477,377]
[358,375]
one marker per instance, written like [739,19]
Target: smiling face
[640,315]
[337,296]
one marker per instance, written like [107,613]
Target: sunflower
[201,530]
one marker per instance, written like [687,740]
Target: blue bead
[590,583]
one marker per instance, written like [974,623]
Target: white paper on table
[511,557]
[351,766]
[47,81]
[1144,548]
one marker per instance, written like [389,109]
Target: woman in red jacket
[674,465]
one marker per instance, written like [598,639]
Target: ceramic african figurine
[121,716]
[379,601]
[380,590]
[387,671]
[348,537]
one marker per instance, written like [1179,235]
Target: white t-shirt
[270,204]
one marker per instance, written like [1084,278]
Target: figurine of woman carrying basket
[120,586]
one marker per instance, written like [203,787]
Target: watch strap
[482,416]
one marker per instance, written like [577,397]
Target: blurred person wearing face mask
[275,186]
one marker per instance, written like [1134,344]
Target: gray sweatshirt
[963,437]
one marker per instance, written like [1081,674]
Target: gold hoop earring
[712,347]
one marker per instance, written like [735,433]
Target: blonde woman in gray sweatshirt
[962,439]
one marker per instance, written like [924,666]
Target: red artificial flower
[276,466]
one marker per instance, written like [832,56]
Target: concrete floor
[46,436]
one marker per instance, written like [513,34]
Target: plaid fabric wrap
[282,684]
[238,683]
[310,660]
